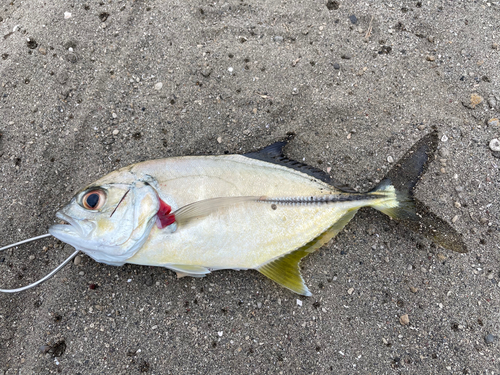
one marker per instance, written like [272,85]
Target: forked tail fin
[410,211]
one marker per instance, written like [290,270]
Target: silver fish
[261,211]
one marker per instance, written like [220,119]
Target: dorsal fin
[285,270]
[274,154]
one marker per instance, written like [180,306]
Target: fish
[256,211]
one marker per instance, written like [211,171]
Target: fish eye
[94,200]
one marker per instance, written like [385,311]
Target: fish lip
[71,222]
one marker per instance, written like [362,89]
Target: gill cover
[109,222]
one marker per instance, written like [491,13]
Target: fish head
[109,221]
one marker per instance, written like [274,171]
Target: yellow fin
[285,270]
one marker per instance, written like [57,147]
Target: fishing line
[52,273]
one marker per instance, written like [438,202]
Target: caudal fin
[399,204]
[410,211]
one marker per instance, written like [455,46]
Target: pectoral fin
[285,270]
[183,270]
[207,206]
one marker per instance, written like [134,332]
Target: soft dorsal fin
[274,154]
[285,270]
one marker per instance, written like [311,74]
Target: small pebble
[430,39]
[219,139]
[455,218]
[494,122]
[490,338]
[413,289]
[495,144]
[457,204]
[32,257]
[158,86]
[404,320]
[77,260]
[353,19]
[42,50]
[492,102]
[430,58]
[67,15]
[390,159]
[444,138]
[345,56]
[494,45]
[115,132]
[230,69]
[475,99]
[350,291]
[114,115]
[278,39]
[81,273]
[336,66]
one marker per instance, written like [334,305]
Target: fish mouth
[69,230]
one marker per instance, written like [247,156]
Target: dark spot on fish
[274,207]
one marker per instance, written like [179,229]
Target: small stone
[259,305]
[490,338]
[475,99]
[77,260]
[443,170]
[32,257]
[421,127]
[494,45]
[158,86]
[114,115]
[430,58]
[390,159]
[430,39]
[444,138]
[495,145]
[220,333]
[219,139]
[444,152]
[455,219]
[404,320]
[81,273]
[413,289]
[278,39]
[115,132]
[441,256]
[42,50]
[353,19]
[230,69]
[295,91]
[336,66]
[493,122]
[67,15]
[457,204]
[345,56]
[350,291]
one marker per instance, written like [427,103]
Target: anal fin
[285,269]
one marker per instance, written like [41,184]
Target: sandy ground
[90,87]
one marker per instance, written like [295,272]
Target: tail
[401,205]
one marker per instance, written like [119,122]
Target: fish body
[196,214]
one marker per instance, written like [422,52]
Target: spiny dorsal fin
[274,154]
[285,270]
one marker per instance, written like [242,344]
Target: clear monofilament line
[25,241]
